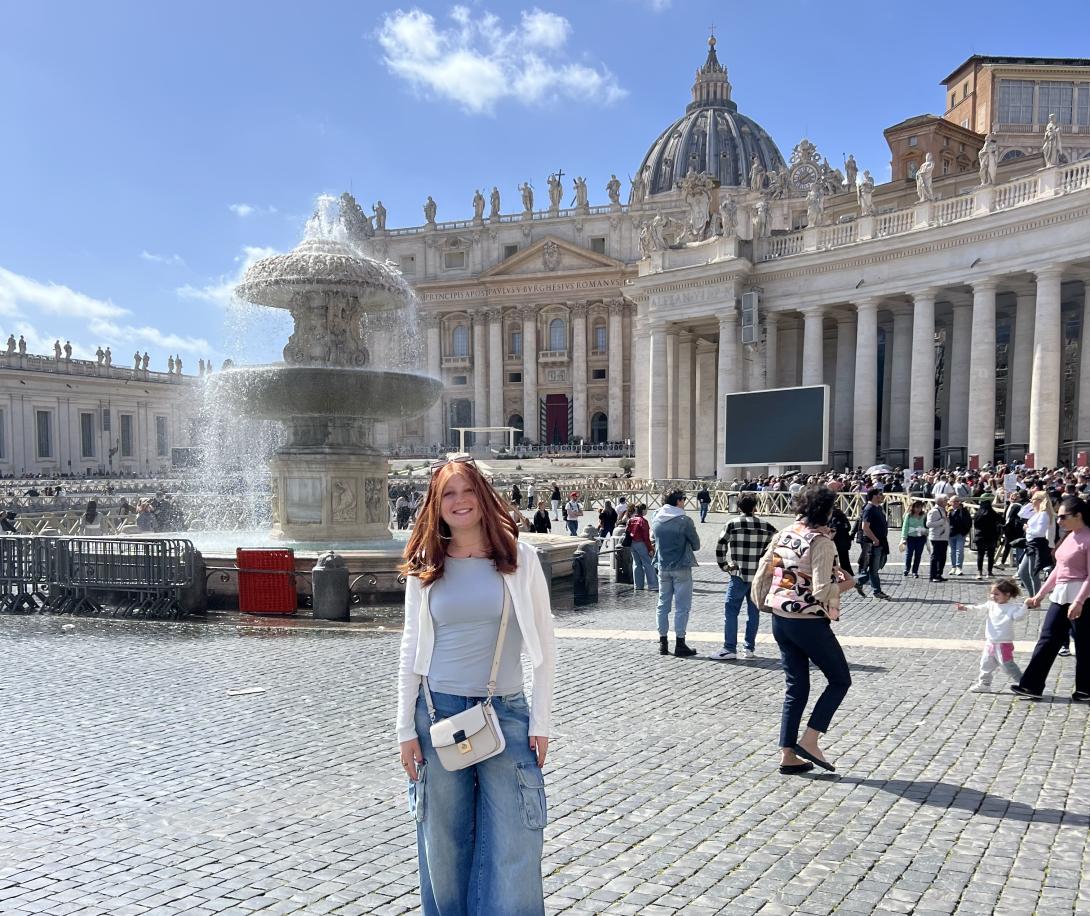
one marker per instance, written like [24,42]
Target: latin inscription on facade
[522,289]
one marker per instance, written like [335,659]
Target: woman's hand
[539,745]
[1033,601]
[411,755]
[833,613]
[1074,611]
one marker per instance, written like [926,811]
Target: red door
[556,419]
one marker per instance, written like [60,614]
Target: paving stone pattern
[133,783]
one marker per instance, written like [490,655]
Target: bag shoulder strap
[505,618]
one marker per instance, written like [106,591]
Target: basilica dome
[710,137]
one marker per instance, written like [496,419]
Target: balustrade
[835,236]
[1016,192]
[949,211]
[1074,176]
[894,223]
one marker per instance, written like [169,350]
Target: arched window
[558,335]
[599,428]
[1012,154]
[601,341]
[460,341]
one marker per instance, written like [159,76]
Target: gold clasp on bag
[465,747]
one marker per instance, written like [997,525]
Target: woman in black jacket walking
[987,523]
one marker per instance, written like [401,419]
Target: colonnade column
[530,426]
[684,405]
[1044,406]
[900,378]
[669,387]
[843,400]
[727,381]
[1021,365]
[813,345]
[640,387]
[495,377]
[772,346]
[981,432]
[865,429]
[958,374]
[480,373]
[1082,428]
[656,413]
[616,370]
[921,409]
[433,424]
[579,371]
[704,442]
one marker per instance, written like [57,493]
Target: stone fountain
[329,482]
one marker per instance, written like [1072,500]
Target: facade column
[900,394]
[1082,428]
[530,424]
[813,345]
[656,413]
[704,444]
[843,399]
[727,381]
[495,377]
[580,427]
[433,423]
[1044,406]
[671,405]
[958,374]
[480,374]
[865,429]
[981,430]
[772,349]
[684,403]
[921,409]
[640,388]
[616,370]
[1021,365]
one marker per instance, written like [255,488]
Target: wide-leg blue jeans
[479,830]
[675,586]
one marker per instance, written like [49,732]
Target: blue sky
[150,150]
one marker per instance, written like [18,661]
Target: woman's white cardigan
[533,611]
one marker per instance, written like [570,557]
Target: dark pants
[802,642]
[1054,633]
[843,554]
[938,558]
[984,551]
[913,554]
[704,511]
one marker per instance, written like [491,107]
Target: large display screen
[778,426]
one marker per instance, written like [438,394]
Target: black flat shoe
[824,764]
[1080,696]
[792,769]
[1022,692]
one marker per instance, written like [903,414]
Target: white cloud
[244,210]
[222,291]
[128,335]
[477,62]
[18,292]
[657,6]
[175,260]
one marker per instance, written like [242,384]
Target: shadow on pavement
[947,795]
[773,664]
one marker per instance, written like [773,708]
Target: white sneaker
[980,688]
[746,655]
[723,655]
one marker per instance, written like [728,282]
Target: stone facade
[72,416]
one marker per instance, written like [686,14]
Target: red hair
[426,551]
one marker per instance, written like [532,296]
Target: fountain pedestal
[331,496]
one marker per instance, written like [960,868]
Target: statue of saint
[728,215]
[815,208]
[136,361]
[756,174]
[851,171]
[527,191]
[865,191]
[144,360]
[356,223]
[200,368]
[760,219]
[108,358]
[478,206]
[556,192]
[613,189]
[1052,149]
[22,345]
[429,211]
[57,350]
[783,182]
[924,191]
[989,160]
[68,349]
[638,190]
[494,211]
[380,218]
[178,364]
[100,355]
[581,197]
[11,343]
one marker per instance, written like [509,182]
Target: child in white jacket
[1002,612]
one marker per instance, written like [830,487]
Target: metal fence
[127,577]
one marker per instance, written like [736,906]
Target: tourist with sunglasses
[479,829]
[1067,588]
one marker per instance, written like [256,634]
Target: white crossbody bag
[474,734]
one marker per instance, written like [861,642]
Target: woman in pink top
[1066,589]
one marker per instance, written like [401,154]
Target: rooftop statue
[756,174]
[865,193]
[429,211]
[357,224]
[923,179]
[989,160]
[581,199]
[478,206]
[851,171]
[815,208]
[527,191]
[494,208]
[760,219]
[613,189]
[1052,149]
[556,192]
[380,219]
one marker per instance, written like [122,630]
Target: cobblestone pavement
[137,780]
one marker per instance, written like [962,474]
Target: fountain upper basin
[278,391]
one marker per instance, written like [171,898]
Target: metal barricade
[24,573]
[130,577]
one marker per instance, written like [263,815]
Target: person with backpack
[1014,530]
[638,535]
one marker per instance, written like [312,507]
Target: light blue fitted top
[466,605]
